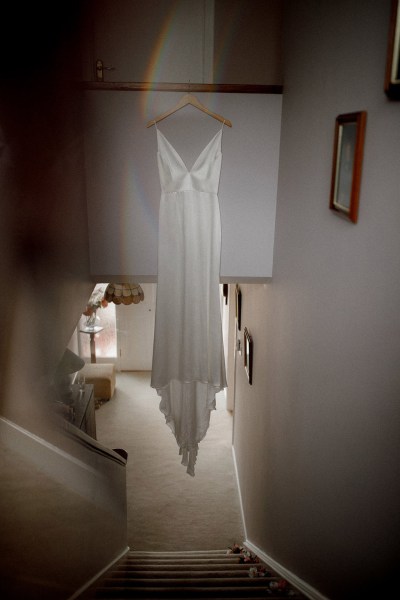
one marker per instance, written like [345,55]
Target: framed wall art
[225,292]
[238,307]
[347,164]
[392,73]
[248,355]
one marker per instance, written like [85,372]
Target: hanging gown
[188,358]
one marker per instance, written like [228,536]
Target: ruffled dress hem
[187,407]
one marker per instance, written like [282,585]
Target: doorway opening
[125,333]
[106,339]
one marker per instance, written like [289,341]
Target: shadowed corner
[44,268]
[42,265]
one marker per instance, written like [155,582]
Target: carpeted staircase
[215,574]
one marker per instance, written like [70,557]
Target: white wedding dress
[188,358]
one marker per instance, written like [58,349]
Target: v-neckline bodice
[199,156]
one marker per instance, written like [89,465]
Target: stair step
[179,553]
[184,574]
[192,581]
[187,575]
[135,596]
[182,559]
[186,567]
[239,567]
[182,592]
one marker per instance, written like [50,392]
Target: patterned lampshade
[124,293]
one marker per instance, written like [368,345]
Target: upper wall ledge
[227,88]
[101,278]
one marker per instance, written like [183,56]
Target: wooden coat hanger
[184,101]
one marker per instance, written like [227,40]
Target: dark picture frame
[225,292]
[238,307]
[347,164]
[392,73]
[248,355]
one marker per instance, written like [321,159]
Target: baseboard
[239,491]
[301,585]
[298,583]
[92,581]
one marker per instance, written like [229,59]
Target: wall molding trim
[73,473]
[98,575]
[301,585]
[100,277]
[239,491]
[36,449]
[140,86]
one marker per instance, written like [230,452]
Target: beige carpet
[168,509]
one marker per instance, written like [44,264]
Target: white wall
[123,187]
[135,332]
[168,40]
[317,435]
[248,41]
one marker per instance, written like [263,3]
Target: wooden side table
[92,332]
